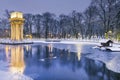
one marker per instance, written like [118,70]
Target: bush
[118,36]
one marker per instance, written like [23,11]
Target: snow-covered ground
[111,59]
[6,75]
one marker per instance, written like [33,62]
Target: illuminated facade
[16,21]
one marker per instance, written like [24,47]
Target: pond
[44,62]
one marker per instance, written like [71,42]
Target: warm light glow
[17,60]
[28,47]
[16,21]
[7,51]
[50,47]
[109,32]
[16,15]
[78,47]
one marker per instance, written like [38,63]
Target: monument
[16,22]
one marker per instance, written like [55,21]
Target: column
[22,31]
[16,29]
[17,36]
[11,31]
[14,32]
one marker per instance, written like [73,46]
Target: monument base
[11,42]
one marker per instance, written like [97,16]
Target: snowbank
[6,75]
[111,59]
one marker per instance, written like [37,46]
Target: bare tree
[65,25]
[28,23]
[37,22]
[90,19]
[47,20]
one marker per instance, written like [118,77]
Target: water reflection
[79,50]
[50,47]
[44,62]
[28,51]
[17,64]
[7,49]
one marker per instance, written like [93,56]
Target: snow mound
[6,75]
[111,60]
[114,64]
[19,77]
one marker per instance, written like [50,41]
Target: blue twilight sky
[41,6]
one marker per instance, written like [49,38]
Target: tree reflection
[48,56]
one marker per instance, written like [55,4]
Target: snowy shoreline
[111,64]
[6,75]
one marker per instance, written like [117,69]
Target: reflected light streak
[28,47]
[7,48]
[50,46]
[17,60]
[78,47]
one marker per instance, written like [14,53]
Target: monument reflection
[16,58]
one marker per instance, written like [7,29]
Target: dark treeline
[100,17]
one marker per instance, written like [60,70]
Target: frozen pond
[47,61]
